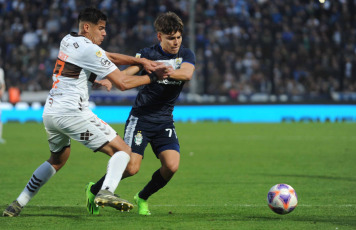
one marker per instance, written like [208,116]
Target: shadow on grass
[73,212]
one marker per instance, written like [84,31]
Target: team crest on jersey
[178,62]
[99,54]
[138,138]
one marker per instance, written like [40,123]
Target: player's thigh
[57,141]
[115,145]
[90,131]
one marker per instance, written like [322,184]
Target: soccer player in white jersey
[2,91]
[67,116]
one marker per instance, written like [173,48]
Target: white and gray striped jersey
[79,63]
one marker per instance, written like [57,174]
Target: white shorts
[89,130]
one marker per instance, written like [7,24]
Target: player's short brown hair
[91,14]
[168,23]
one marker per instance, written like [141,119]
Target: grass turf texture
[226,171]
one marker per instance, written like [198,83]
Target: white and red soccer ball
[282,198]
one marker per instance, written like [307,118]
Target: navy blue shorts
[161,136]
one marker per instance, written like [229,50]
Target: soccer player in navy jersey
[151,119]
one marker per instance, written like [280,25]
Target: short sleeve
[141,54]
[188,56]
[95,60]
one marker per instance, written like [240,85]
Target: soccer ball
[282,199]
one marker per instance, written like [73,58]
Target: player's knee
[111,151]
[127,150]
[132,170]
[59,159]
[172,168]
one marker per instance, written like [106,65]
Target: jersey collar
[75,34]
[168,54]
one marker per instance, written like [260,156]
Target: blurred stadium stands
[247,50]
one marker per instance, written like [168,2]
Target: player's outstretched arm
[124,82]
[185,73]
[121,59]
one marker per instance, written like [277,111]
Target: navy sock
[95,188]
[156,183]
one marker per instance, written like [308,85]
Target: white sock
[116,167]
[41,175]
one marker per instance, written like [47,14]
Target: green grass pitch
[225,173]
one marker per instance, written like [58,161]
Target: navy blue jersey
[155,102]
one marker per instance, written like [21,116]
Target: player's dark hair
[91,14]
[168,23]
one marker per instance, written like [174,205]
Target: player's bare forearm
[125,82]
[132,70]
[185,73]
[122,59]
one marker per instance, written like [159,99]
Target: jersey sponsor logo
[62,56]
[99,54]
[168,82]
[105,62]
[175,63]
[138,138]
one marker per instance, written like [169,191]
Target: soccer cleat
[14,209]
[92,208]
[142,206]
[107,198]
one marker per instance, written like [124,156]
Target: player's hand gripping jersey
[155,102]
[79,63]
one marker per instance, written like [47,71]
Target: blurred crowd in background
[297,48]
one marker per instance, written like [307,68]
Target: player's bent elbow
[121,86]
[188,77]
